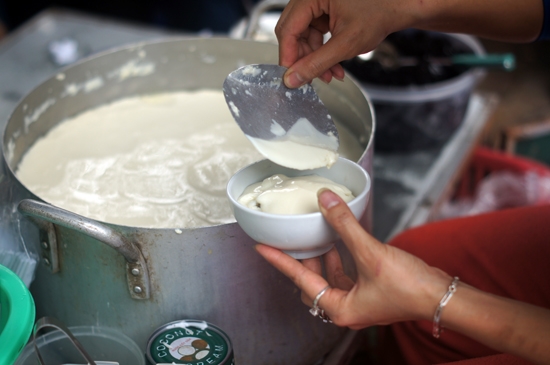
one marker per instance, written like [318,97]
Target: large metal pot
[136,279]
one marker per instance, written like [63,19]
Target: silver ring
[315,310]
[318,297]
[325,317]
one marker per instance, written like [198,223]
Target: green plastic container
[17,314]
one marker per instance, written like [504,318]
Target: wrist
[421,13]
[509,21]
[432,292]
[437,326]
[412,14]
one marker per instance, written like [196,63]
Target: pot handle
[136,268]
[261,8]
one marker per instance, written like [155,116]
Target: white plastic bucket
[418,117]
[102,344]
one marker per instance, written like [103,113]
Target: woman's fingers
[362,245]
[307,280]
[336,276]
[315,41]
[308,20]
[312,65]
[338,72]
[303,22]
[292,27]
[313,264]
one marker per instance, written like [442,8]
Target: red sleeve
[506,253]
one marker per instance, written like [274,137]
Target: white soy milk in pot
[156,161]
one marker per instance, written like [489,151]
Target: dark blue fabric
[2,13]
[545,33]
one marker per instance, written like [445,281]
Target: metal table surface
[406,186]
[25,60]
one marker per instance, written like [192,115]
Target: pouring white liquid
[295,152]
[159,161]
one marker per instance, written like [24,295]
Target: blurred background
[524,94]
[186,15]
[521,111]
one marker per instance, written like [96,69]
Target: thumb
[313,65]
[324,58]
[361,244]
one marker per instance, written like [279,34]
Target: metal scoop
[264,108]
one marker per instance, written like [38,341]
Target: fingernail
[338,77]
[327,198]
[294,80]
[326,80]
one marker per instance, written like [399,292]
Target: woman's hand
[391,285]
[356,26]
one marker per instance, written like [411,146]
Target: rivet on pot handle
[137,273]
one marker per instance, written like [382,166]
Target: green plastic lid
[190,342]
[16,315]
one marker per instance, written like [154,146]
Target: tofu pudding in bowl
[275,201]
[301,236]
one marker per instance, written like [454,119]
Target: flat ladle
[267,111]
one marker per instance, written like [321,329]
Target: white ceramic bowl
[302,235]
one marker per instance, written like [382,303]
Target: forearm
[505,20]
[503,324]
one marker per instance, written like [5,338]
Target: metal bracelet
[437,329]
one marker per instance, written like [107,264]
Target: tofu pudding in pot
[155,161]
